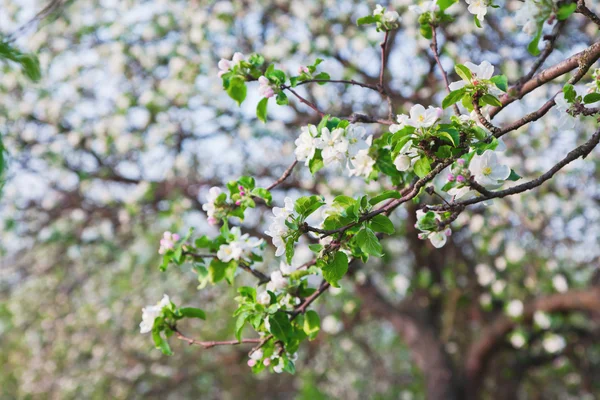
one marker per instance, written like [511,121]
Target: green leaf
[444,4]
[533,45]
[569,92]
[218,270]
[161,343]
[239,325]
[426,31]
[451,134]
[261,109]
[282,99]
[336,268]
[289,249]
[276,75]
[191,312]
[368,242]
[463,72]
[29,62]
[322,76]
[491,100]
[280,326]
[381,223]
[248,292]
[237,89]
[316,163]
[422,167]
[312,324]
[453,97]
[307,205]
[369,19]
[565,11]
[591,98]
[501,82]
[263,194]
[513,176]
[388,194]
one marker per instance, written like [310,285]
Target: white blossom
[514,308]
[387,16]
[485,70]
[553,343]
[542,319]
[424,6]
[487,171]
[332,325]
[306,144]
[209,206]
[407,157]
[333,145]
[362,163]
[424,118]
[150,313]
[278,282]
[278,228]
[560,283]
[264,298]
[477,7]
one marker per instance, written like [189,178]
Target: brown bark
[441,382]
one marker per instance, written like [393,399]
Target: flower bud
[460,179]
[451,178]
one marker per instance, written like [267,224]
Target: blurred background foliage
[128,128]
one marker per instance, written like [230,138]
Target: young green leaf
[422,167]
[191,312]
[261,109]
[368,242]
[501,82]
[237,89]
[312,324]
[336,269]
[453,97]
[381,223]
[388,194]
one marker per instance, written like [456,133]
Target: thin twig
[284,176]
[436,55]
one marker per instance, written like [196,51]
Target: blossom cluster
[150,313]
[241,247]
[341,145]
[168,242]
[485,169]
[421,119]
[211,205]
[226,65]
[279,229]
[427,223]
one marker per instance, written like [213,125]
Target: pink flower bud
[451,178]
[302,69]
[212,220]
[238,202]
[422,236]
[242,193]
[448,232]
[175,237]
[251,363]
[267,362]
[460,162]
[460,179]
